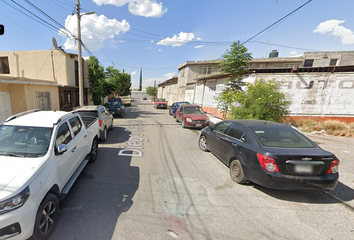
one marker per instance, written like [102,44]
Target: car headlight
[119,108]
[207,120]
[15,201]
[189,120]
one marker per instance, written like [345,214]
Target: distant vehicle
[173,108]
[160,103]
[144,98]
[127,101]
[192,116]
[116,107]
[41,155]
[105,118]
[270,154]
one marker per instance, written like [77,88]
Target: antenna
[54,43]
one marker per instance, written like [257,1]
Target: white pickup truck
[41,155]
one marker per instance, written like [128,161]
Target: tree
[262,100]
[151,91]
[234,62]
[121,82]
[141,80]
[96,76]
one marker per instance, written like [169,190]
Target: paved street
[170,189]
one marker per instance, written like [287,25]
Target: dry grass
[331,127]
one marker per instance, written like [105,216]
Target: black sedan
[270,154]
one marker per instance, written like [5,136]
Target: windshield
[193,110]
[20,141]
[114,103]
[160,100]
[280,137]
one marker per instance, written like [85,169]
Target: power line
[277,21]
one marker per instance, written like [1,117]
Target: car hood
[15,173]
[198,117]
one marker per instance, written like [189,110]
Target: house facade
[44,79]
[319,84]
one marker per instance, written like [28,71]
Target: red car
[192,116]
[160,103]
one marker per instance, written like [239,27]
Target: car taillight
[334,167]
[100,122]
[267,163]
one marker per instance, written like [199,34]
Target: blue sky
[158,36]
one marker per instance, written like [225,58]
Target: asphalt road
[172,190]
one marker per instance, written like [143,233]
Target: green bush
[261,100]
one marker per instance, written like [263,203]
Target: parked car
[41,155]
[192,116]
[271,154]
[127,101]
[105,118]
[160,103]
[144,98]
[173,108]
[116,107]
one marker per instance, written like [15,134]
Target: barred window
[4,65]
[205,69]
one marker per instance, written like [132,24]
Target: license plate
[199,125]
[302,168]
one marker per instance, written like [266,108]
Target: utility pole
[81,81]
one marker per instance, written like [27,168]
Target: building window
[308,63]
[43,100]
[333,62]
[4,65]
[205,69]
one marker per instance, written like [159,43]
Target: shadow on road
[103,191]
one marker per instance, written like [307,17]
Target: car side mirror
[62,148]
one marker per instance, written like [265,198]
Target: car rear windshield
[161,100]
[193,110]
[23,141]
[114,103]
[281,137]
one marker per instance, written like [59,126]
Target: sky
[155,37]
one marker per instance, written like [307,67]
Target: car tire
[122,115]
[236,172]
[46,217]
[203,144]
[183,125]
[103,135]
[176,119]
[93,153]
[111,128]
[169,111]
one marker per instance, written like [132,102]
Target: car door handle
[85,136]
[73,150]
[234,144]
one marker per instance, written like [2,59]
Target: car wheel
[46,217]
[169,111]
[174,115]
[104,135]
[176,119]
[111,128]
[122,115]
[236,172]
[183,125]
[93,153]
[203,144]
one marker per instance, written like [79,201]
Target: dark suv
[116,107]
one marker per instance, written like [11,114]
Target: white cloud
[199,46]
[151,81]
[293,53]
[144,8]
[147,8]
[159,50]
[332,27]
[94,30]
[199,39]
[175,41]
[152,41]
[169,75]
[133,73]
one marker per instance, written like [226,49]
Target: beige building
[41,79]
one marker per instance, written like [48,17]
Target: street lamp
[81,82]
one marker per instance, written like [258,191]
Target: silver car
[105,118]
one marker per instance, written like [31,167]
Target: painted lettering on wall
[342,84]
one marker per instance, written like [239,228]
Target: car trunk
[298,162]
